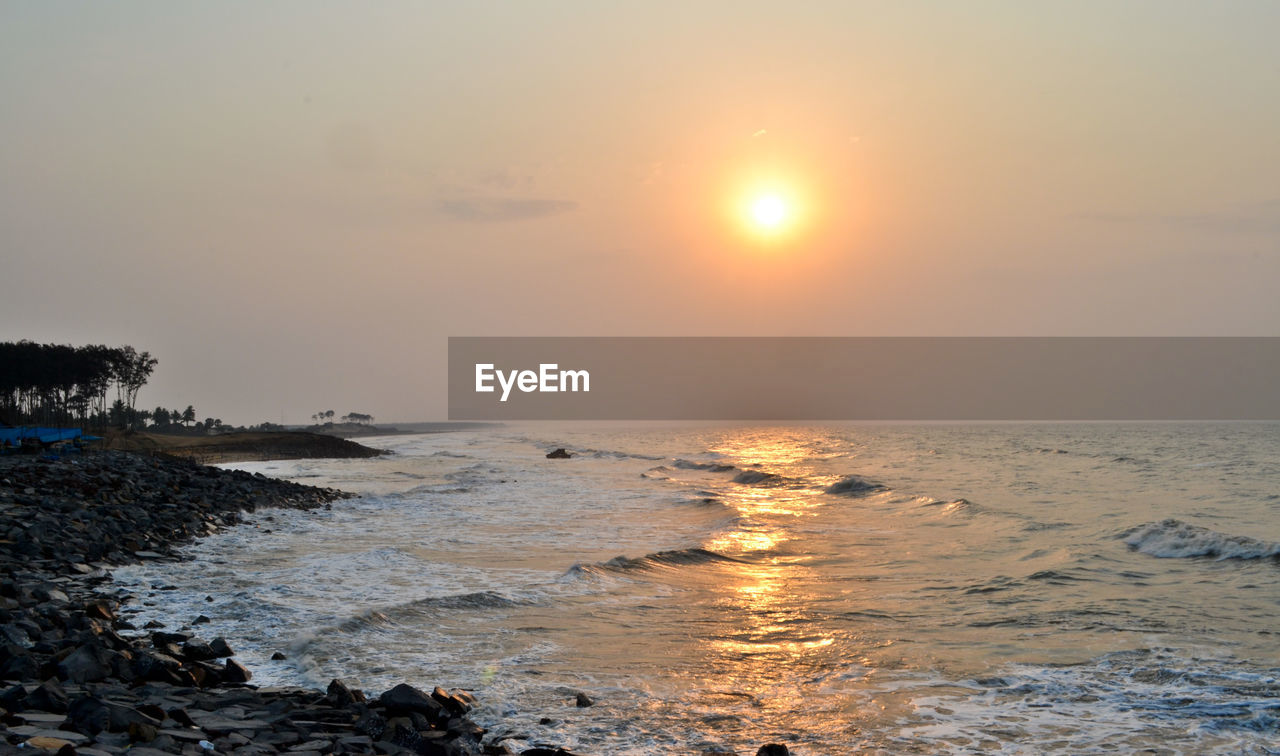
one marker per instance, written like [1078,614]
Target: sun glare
[769,211]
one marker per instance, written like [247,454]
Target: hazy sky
[293,204]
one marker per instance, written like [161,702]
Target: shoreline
[79,678]
[247,446]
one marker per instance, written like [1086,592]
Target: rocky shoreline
[80,679]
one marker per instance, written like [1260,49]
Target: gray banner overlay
[978,378]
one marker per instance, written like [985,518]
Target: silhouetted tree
[58,383]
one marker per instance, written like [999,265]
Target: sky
[293,205]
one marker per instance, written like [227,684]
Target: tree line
[53,384]
[325,417]
[58,384]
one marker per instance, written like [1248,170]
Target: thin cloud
[503,209]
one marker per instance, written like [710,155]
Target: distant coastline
[246,446]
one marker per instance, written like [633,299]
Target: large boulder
[89,663]
[405,699]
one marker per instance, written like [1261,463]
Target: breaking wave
[1173,539]
[852,485]
[657,560]
[685,464]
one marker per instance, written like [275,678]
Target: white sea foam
[1177,539]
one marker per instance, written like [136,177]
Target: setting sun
[769,211]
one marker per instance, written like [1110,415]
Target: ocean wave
[685,464]
[658,560]
[1177,539]
[949,507]
[707,501]
[762,478]
[412,610]
[1131,699]
[852,485]
[417,492]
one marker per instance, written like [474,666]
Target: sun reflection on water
[768,599]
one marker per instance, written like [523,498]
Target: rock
[162,639]
[372,724]
[583,701]
[454,704]
[48,697]
[220,648]
[140,732]
[773,749]
[15,636]
[236,672]
[50,743]
[340,696]
[198,650]
[559,454]
[406,699]
[89,663]
[100,610]
[277,656]
[89,715]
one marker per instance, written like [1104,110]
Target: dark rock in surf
[405,699]
[453,703]
[559,454]
[236,672]
[220,648]
[773,749]
[340,696]
[583,700]
[197,650]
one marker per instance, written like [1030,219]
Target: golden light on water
[767,594]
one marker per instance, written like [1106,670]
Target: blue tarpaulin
[15,436]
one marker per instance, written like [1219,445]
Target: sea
[1054,588]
